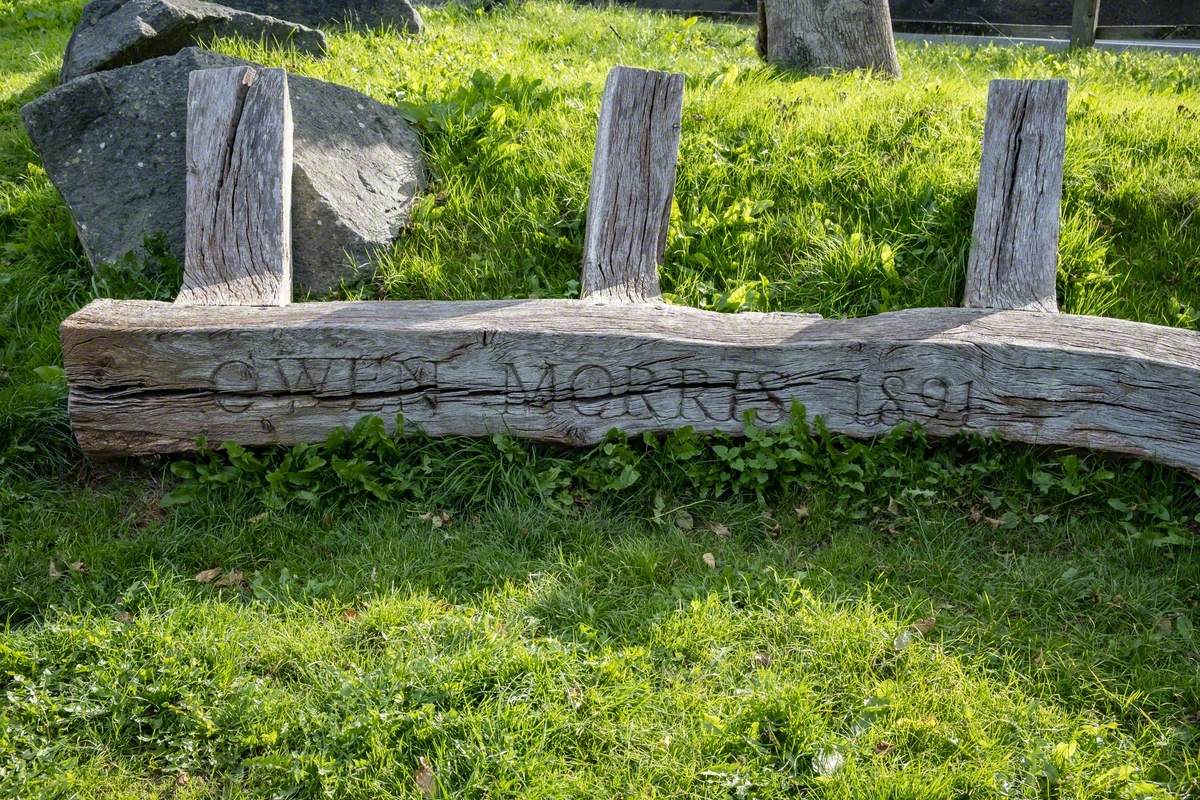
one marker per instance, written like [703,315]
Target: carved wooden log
[633,182]
[239,179]
[821,35]
[1014,249]
[150,377]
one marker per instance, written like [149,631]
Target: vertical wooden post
[1014,249]
[823,35]
[633,183]
[239,189]
[1083,23]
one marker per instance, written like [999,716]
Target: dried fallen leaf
[232,578]
[55,572]
[684,521]
[721,531]
[208,575]
[350,614]
[801,512]
[975,516]
[893,507]
[762,659]
[882,747]
[123,617]
[79,568]
[924,626]
[710,560]
[424,777]
[438,519]
[259,517]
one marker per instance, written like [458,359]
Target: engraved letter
[236,377]
[543,392]
[601,381]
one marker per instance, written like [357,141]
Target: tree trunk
[825,35]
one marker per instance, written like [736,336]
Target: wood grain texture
[1014,248]
[1084,17]
[824,35]
[239,189]
[150,377]
[633,183]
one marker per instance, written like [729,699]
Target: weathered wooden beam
[1084,17]
[633,182]
[150,377]
[239,189]
[1014,250]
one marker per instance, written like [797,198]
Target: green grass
[895,620]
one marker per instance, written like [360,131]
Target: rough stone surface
[116,33]
[399,14]
[113,143]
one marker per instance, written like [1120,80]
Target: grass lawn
[793,615]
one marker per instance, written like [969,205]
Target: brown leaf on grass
[233,578]
[424,777]
[208,575]
[55,572]
[924,626]
[259,517]
[123,617]
[882,747]
[79,568]
[975,516]
[719,530]
[709,560]
[350,614]
[762,659]
[801,512]
[438,519]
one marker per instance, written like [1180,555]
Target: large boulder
[398,14]
[116,33]
[113,143]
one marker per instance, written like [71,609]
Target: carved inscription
[671,393]
[897,398]
[365,383]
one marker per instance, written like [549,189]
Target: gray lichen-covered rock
[398,14]
[113,143]
[116,33]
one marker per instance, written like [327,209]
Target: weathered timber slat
[149,377]
[239,189]
[1014,248]
[633,181]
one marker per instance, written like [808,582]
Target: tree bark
[828,35]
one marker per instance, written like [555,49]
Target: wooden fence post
[239,189]
[1014,248]
[633,182]
[823,35]
[1083,23]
